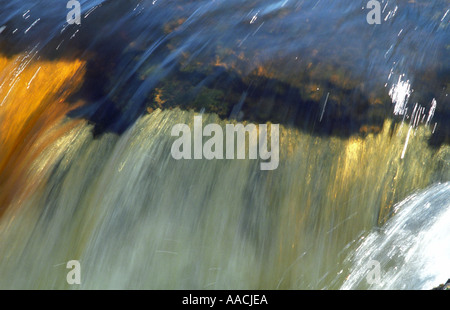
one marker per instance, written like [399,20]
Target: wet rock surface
[443,287]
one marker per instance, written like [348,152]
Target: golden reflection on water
[33,98]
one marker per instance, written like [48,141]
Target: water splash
[413,248]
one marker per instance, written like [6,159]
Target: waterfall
[135,217]
[359,195]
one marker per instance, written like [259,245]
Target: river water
[86,172]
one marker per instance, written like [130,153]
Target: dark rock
[443,287]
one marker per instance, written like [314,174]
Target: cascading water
[136,218]
[86,171]
[413,249]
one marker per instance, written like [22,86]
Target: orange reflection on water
[33,98]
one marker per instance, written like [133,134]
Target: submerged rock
[318,67]
[443,287]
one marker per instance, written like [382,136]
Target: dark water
[283,59]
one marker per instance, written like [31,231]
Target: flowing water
[417,238]
[86,171]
